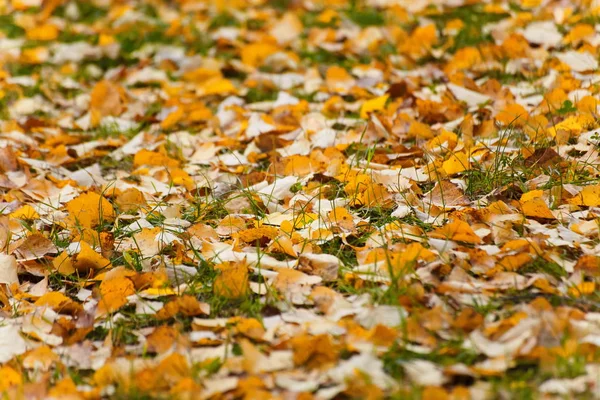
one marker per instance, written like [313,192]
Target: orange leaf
[9,378]
[106,98]
[456,230]
[251,328]
[113,294]
[513,114]
[147,157]
[255,53]
[130,200]
[43,32]
[232,282]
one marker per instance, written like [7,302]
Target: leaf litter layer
[299,199]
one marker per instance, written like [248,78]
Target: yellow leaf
[578,33]
[63,264]
[575,124]
[106,40]
[588,104]
[200,75]
[357,184]
[341,217]
[34,55]
[59,303]
[376,104]
[255,53]
[158,292]
[251,328]
[338,78]
[43,32]
[89,209]
[25,212]
[582,289]
[513,114]
[162,339]
[464,58]
[173,118]
[434,393]
[199,113]
[9,378]
[445,140]
[147,157]
[589,196]
[533,194]
[327,16]
[298,165]
[536,208]
[174,368]
[181,178]
[106,98]
[456,230]
[420,130]
[64,389]
[420,41]
[251,235]
[457,162]
[232,282]
[52,300]
[283,244]
[130,200]
[88,259]
[315,351]
[216,86]
[375,194]
[514,262]
[186,305]
[113,294]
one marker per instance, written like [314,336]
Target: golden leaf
[513,114]
[9,378]
[88,259]
[113,294]
[536,208]
[147,157]
[88,210]
[43,32]
[456,230]
[589,196]
[25,212]
[232,282]
[130,200]
[251,328]
[255,53]
[106,99]
[376,104]
[457,162]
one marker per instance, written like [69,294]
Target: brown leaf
[33,247]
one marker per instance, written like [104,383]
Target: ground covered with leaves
[298,199]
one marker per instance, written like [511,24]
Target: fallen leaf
[376,104]
[86,260]
[232,281]
[8,269]
[113,294]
